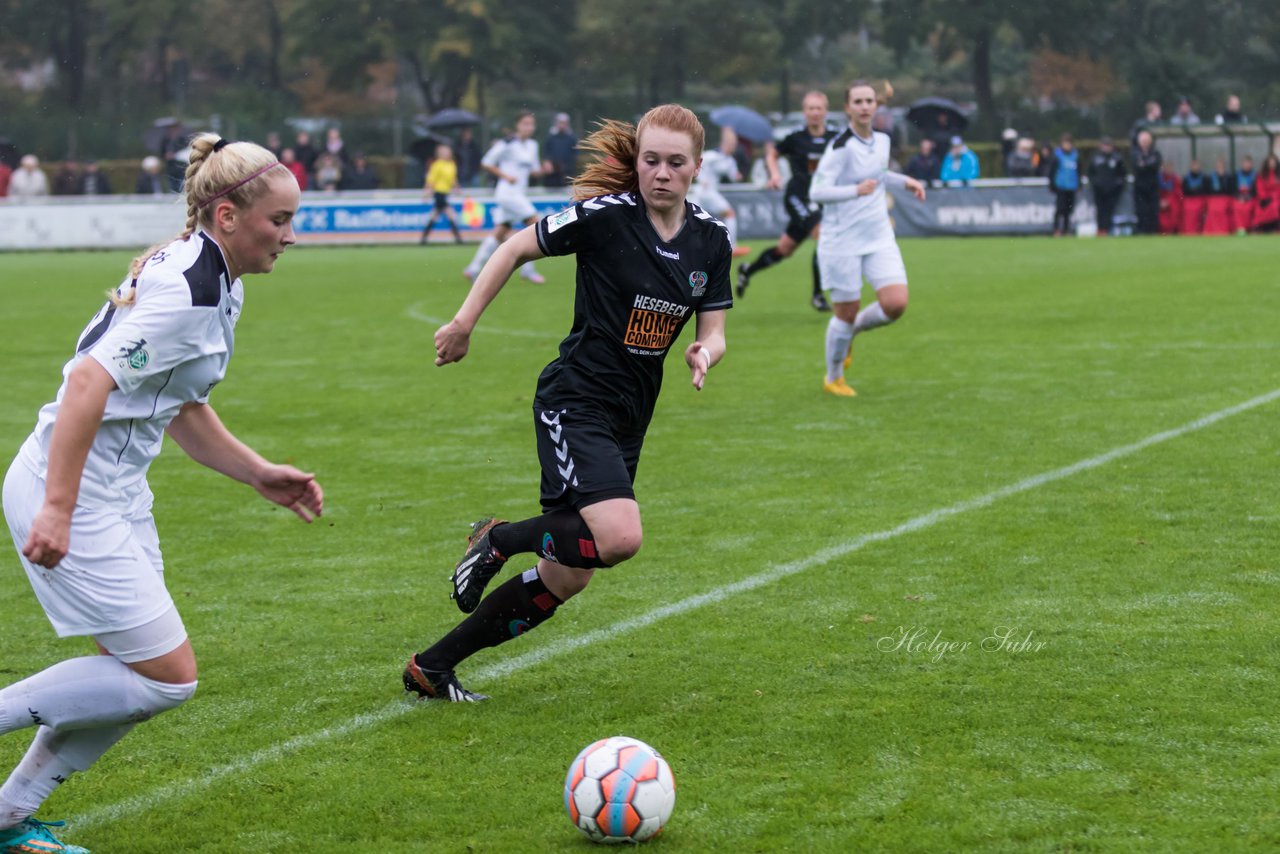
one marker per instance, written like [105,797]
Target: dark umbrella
[924,115]
[451,117]
[425,148]
[745,121]
[153,137]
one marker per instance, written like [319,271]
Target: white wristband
[704,351]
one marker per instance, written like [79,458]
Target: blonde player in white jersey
[719,165]
[857,240]
[512,161]
[76,497]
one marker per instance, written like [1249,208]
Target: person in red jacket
[1170,199]
[1266,212]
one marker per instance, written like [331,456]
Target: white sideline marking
[140,803]
[415,312]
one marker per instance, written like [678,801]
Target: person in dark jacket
[93,181]
[360,175]
[1146,183]
[924,166]
[1106,176]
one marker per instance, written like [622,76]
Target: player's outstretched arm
[200,432]
[79,417]
[707,348]
[454,338]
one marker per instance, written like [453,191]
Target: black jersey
[803,150]
[635,292]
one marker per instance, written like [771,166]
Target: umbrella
[747,122]
[154,137]
[451,117]
[425,148]
[924,115]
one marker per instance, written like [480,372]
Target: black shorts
[584,460]
[802,219]
[442,203]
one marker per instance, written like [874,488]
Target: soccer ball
[619,790]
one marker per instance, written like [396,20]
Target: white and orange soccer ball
[619,790]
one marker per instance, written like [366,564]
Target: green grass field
[793,540]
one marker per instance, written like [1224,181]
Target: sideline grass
[1139,714]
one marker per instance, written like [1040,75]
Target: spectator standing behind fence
[960,164]
[1044,160]
[94,181]
[925,165]
[561,151]
[289,159]
[467,154]
[5,174]
[150,182]
[359,175]
[1152,116]
[336,146]
[29,181]
[328,172]
[1146,183]
[67,180]
[1064,183]
[1184,115]
[1231,114]
[1021,162]
[1106,178]
[305,153]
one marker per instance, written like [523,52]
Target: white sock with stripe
[839,335]
[51,759]
[871,317]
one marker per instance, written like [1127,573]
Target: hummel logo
[674,256]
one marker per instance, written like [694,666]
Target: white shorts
[710,200]
[512,209]
[842,275]
[112,578]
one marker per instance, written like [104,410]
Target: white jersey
[169,348]
[854,226]
[514,157]
[716,167]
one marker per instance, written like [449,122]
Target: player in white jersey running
[857,239]
[719,165]
[512,161]
[76,498]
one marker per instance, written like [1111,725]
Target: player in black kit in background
[647,262]
[803,149]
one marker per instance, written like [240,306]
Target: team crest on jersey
[135,356]
[557,221]
[698,281]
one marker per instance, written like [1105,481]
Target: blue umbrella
[747,122]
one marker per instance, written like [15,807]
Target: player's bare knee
[618,547]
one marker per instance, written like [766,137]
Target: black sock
[561,536]
[767,259]
[509,611]
[817,275]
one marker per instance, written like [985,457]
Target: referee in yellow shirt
[442,177]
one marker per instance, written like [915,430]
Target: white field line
[181,789]
[414,311]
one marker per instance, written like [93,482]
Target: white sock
[871,317]
[839,335]
[528,270]
[483,251]
[87,693]
[51,759]
[732,224]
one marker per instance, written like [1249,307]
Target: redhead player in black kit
[803,149]
[648,261]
